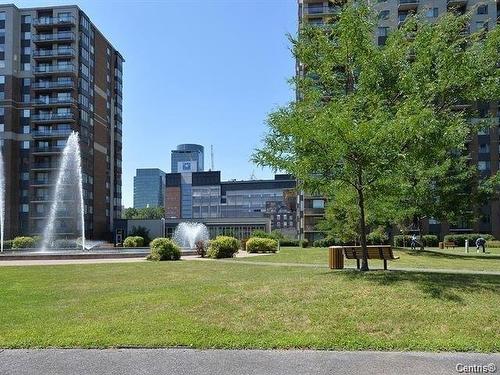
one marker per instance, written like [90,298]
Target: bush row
[459,239]
[428,240]
[256,244]
[133,241]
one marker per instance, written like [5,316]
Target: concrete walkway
[237,362]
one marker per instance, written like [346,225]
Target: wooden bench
[449,244]
[383,252]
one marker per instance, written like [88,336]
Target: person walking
[480,242]
[414,242]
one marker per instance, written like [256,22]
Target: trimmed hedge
[266,245]
[304,243]
[326,242]
[459,239]
[7,244]
[23,243]
[289,242]
[133,241]
[429,240]
[164,249]
[223,247]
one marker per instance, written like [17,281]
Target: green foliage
[304,243]
[201,248]
[150,213]
[459,239]
[141,231]
[326,242]
[378,236]
[23,243]
[164,249]
[369,116]
[223,247]
[429,240]
[63,243]
[265,245]
[493,244]
[133,241]
[288,242]
[7,244]
[275,234]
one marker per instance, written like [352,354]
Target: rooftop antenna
[252,177]
[212,157]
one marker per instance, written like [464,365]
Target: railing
[57,36]
[41,182]
[44,166]
[54,68]
[408,1]
[51,116]
[48,21]
[52,84]
[56,100]
[48,149]
[314,211]
[323,10]
[51,133]
[54,52]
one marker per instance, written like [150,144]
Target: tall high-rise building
[187,158]
[149,188]
[484,147]
[58,74]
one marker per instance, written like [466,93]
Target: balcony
[51,53]
[456,3]
[47,85]
[41,182]
[44,166]
[49,69]
[53,21]
[314,211]
[57,37]
[47,149]
[324,10]
[55,133]
[41,102]
[407,4]
[44,117]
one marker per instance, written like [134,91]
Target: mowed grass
[408,259]
[211,304]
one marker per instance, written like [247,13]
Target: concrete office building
[212,198]
[187,158]
[484,147]
[58,74]
[149,188]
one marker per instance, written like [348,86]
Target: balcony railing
[52,84]
[62,36]
[52,116]
[44,166]
[54,52]
[48,148]
[53,21]
[44,181]
[322,10]
[51,133]
[411,2]
[56,100]
[54,68]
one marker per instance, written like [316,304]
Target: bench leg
[357,264]
[385,264]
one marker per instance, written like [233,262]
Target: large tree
[365,110]
[144,213]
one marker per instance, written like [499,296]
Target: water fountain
[186,234]
[68,188]
[2,200]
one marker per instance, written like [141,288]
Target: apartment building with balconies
[484,146]
[58,74]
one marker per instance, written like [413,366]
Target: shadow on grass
[438,254]
[443,286]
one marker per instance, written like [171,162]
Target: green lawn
[214,304]
[408,259]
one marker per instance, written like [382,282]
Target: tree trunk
[420,230]
[362,224]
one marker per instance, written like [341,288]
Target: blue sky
[204,72]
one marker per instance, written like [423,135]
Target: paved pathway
[237,362]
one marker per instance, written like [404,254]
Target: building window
[2,16]
[26,19]
[484,148]
[2,127]
[25,145]
[2,80]
[24,208]
[483,165]
[26,129]
[482,9]
[26,67]
[384,15]
[432,13]
[26,36]
[318,203]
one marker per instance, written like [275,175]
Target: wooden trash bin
[336,257]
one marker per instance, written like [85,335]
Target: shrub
[377,237]
[23,243]
[7,244]
[223,247]
[66,244]
[429,240]
[326,242]
[289,242]
[275,234]
[493,243]
[164,249]
[141,232]
[256,244]
[133,241]
[304,243]
[459,239]
[201,248]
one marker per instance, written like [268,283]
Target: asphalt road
[237,362]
